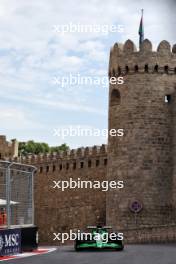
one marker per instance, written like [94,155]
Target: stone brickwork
[144,106]
[157,234]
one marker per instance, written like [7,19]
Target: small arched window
[74,165]
[146,68]
[166,69]
[105,162]
[167,98]
[127,69]
[136,68]
[97,163]
[67,166]
[156,68]
[115,97]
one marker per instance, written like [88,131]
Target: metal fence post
[32,179]
[8,195]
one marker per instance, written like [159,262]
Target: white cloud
[54,104]
[16,119]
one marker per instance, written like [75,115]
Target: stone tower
[8,149]
[145,157]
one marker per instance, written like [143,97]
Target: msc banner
[10,241]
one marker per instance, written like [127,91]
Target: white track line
[29,254]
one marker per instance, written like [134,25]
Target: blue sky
[32,53]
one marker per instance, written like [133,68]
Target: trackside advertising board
[10,241]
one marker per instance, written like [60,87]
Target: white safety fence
[16,194]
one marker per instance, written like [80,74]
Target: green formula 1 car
[99,237]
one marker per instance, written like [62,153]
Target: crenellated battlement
[74,154]
[125,59]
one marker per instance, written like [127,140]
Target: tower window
[166,69]
[136,68]
[156,68]
[105,162]
[167,99]
[74,165]
[89,163]
[81,164]
[146,68]
[97,163]
[115,97]
[127,69]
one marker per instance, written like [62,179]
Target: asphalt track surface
[132,254]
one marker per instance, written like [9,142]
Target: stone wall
[173,151]
[158,234]
[59,211]
[143,158]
